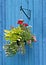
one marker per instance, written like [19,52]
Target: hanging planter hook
[22,9]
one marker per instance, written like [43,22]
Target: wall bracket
[24,11]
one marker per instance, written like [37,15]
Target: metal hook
[22,9]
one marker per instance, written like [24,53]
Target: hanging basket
[17,38]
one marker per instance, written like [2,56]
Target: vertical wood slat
[38,31]
[3,25]
[1,30]
[44,32]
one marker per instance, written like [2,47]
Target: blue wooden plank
[38,31]
[31,22]
[0,58]
[44,32]
[1,32]
[3,24]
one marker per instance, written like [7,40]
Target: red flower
[20,22]
[24,24]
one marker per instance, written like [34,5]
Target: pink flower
[34,38]
[24,24]
[29,41]
[20,22]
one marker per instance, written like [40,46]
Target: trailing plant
[17,38]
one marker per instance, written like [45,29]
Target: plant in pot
[17,38]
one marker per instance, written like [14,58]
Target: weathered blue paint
[9,15]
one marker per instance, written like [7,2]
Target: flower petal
[25,24]
[20,22]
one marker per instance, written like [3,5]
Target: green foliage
[16,39]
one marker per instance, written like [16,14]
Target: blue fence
[9,15]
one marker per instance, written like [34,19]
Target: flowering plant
[17,38]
